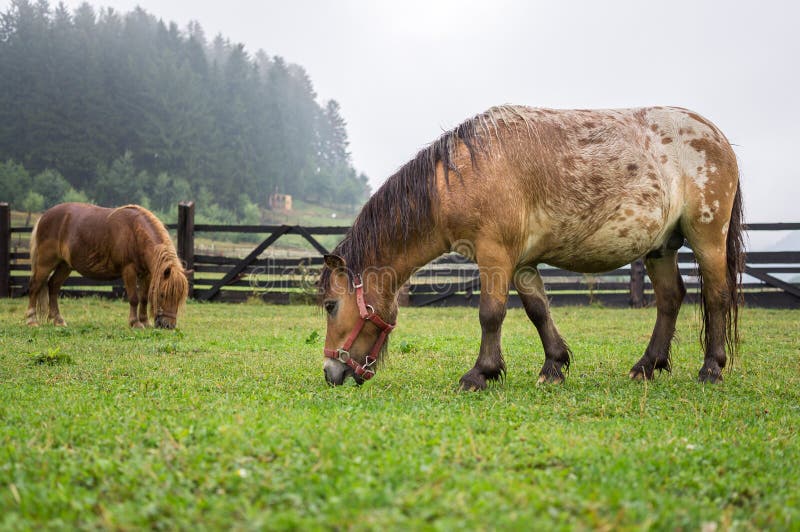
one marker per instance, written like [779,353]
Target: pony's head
[356,331]
[169,288]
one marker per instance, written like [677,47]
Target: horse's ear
[187,273]
[334,262]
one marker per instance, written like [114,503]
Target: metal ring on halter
[343,356]
[371,309]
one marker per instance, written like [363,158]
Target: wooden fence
[450,280]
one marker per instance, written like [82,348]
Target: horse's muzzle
[336,373]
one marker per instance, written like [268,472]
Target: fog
[404,72]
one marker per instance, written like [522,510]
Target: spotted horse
[515,187]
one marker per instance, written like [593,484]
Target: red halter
[367,313]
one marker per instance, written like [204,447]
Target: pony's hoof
[473,381]
[645,369]
[550,379]
[637,375]
[551,373]
[32,323]
[60,322]
[137,325]
[640,372]
[710,376]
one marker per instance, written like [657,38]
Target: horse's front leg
[129,279]
[495,276]
[557,355]
[143,287]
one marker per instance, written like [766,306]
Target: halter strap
[366,313]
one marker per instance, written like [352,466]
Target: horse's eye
[330,306]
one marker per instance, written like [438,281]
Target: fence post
[186,239]
[5,250]
[637,284]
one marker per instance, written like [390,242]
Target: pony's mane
[402,208]
[155,224]
[174,286]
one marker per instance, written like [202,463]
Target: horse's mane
[402,209]
[154,223]
[174,285]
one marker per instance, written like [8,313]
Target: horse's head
[356,335]
[169,288]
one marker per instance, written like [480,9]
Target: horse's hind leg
[531,291]
[715,305]
[669,290]
[495,274]
[38,282]
[54,287]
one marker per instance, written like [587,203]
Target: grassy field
[227,424]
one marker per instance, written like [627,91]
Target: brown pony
[128,242]
[513,187]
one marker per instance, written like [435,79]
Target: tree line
[126,108]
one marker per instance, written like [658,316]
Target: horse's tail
[735,268]
[43,298]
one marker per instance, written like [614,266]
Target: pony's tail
[735,268]
[43,299]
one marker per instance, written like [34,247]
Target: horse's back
[594,189]
[83,236]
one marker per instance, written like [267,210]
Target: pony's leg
[716,302]
[669,290]
[54,287]
[495,275]
[38,280]
[531,291]
[143,285]
[129,279]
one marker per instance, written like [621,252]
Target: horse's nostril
[332,377]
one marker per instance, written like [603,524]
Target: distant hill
[121,108]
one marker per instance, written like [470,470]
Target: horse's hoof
[551,373]
[637,375]
[32,323]
[711,377]
[137,325]
[472,381]
[550,379]
[60,323]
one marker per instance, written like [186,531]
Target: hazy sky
[405,71]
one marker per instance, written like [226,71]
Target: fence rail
[771,278]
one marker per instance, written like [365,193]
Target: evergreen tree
[108,100]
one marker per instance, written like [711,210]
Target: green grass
[227,423]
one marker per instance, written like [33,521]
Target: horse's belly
[610,246]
